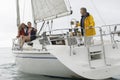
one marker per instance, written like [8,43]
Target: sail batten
[49,9]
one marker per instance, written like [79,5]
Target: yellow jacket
[89,22]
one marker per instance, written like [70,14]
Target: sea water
[8,69]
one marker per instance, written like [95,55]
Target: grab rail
[104,26]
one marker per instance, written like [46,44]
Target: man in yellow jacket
[87,26]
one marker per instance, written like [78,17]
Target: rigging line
[51,24]
[99,15]
[24,11]
[98,12]
[94,12]
[43,24]
[48,24]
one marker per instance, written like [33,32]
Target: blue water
[8,69]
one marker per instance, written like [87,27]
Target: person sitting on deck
[31,32]
[28,34]
[22,31]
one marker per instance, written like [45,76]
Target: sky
[104,12]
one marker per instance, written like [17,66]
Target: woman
[22,32]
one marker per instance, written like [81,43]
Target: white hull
[65,62]
[78,61]
[68,57]
[42,64]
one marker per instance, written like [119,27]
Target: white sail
[49,9]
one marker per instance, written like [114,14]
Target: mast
[33,16]
[18,13]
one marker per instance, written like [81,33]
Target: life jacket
[89,22]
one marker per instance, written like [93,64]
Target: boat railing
[109,33]
[14,43]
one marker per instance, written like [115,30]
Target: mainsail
[49,9]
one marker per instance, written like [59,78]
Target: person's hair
[84,9]
[20,27]
[29,22]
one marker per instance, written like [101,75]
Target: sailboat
[62,55]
